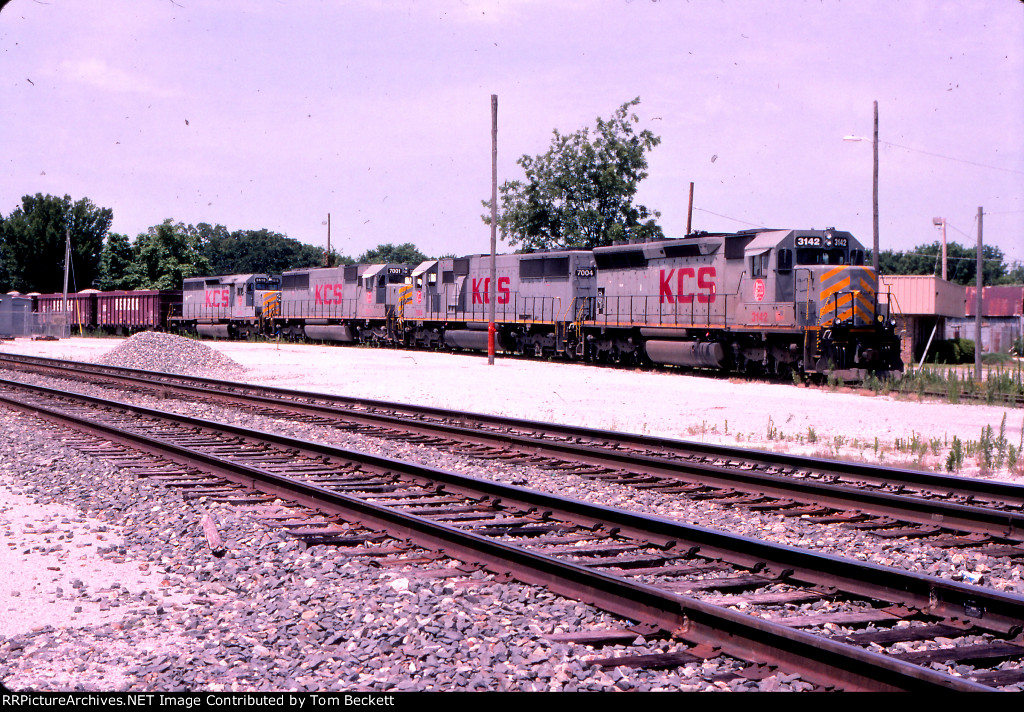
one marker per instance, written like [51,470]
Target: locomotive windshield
[829,249]
[819,256]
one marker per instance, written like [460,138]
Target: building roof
[921,295]
[997,301]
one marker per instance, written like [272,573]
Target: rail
[891,594]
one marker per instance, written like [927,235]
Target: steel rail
[883,475]
[692,620]
[959,516]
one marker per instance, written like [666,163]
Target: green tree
[961,263]
[580,193]
[32,242]
[165,255]
[399,254]
[256,251]
[116,259]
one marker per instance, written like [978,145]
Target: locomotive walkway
[671,578]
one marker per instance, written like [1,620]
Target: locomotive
[759,301]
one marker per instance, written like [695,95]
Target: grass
[1002,382]
[992,452]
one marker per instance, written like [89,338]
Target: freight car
[118,312]
[125,312]
[758,301]
[79,312]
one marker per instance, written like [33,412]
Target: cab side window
[759,265]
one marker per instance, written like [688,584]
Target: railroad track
[887,502]
[667,577]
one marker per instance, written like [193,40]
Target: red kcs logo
[482,290]
[759,290]
[218,297]
[705,277]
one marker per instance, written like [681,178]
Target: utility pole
[977,306]
[66,327]
[941,222]
[493,291]
[874,211]
[327,254]
[689,211]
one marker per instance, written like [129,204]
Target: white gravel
[52,575]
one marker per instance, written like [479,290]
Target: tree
[398,254]
[33,237]
[256,251]
[580,193]
[961,267]
[165,255]
[116,259]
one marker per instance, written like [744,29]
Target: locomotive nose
[847,296]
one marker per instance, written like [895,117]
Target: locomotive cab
[385,291]
[822,274]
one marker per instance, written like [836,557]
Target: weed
[955,459]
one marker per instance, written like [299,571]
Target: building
[923,306]
[1002,317]
[16,317]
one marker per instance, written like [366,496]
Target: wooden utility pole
[66,328]
[689,211]
[874,201]
[977,307]
[327,254]
[493,291]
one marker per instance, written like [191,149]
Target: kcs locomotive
[758,301]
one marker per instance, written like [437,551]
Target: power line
[951,158]
[742,222]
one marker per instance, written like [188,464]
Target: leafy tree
[401,254]
[32,242]
[580,193]
[165,255]
[116,259]
[256,251]
[961,263]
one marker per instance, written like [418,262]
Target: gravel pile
[157,351]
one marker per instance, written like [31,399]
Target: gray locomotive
[758,301]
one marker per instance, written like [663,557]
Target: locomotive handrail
[308,308]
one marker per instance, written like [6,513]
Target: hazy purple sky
[273,113]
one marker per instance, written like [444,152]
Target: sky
[274,114]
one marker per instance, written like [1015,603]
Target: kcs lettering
[482,290]
[705,277]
